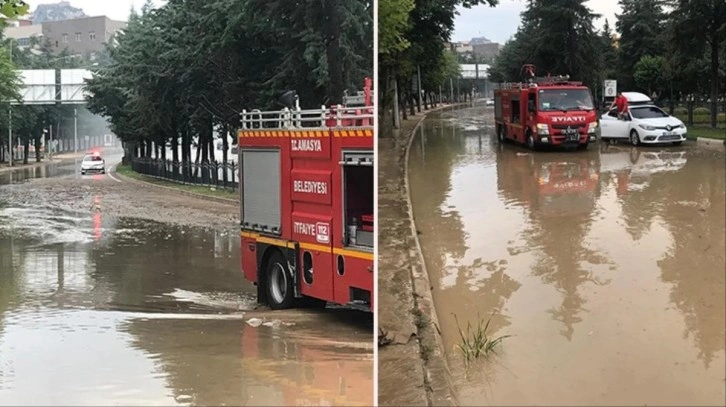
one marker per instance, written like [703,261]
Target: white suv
[646,123]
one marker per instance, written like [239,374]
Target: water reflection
[607,265]
[98,309]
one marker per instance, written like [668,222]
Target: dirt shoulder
[411,364]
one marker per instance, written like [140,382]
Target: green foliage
[392,26]
[649,72]
[178,70]
[558,37]
[9,80]
[13,8]
[412,39]
[476,343]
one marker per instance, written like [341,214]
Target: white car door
[612,127]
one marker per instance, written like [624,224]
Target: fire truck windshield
[565,99]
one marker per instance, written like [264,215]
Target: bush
[701,110]
[680,111]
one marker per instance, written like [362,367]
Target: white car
[93,163]
[490,102]
[646,123]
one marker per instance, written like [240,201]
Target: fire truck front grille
[565,126]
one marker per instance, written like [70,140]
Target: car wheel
[280,290]
[634,138]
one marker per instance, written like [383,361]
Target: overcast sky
[501,22]
[114,9]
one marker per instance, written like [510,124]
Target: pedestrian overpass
[49,87]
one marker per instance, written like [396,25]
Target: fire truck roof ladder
[530,79]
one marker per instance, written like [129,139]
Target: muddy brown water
[606,266]
[98,310]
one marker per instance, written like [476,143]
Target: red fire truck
[541,111]
[306,193]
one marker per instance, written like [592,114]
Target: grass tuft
[476,343]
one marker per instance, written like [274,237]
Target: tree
[393,24]
[188,68]
[558,37]
[413,47]
[700,30]
[641,27]
[649,73]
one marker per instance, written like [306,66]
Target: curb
[711,141]
[175,190]
[436,368]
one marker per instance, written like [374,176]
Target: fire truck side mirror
[288,99]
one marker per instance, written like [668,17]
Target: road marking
[110,170]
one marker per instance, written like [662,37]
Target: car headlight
[543,129]
[646,127]
[592,127]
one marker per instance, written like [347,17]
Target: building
[81,36]
[462,47]
[486,51]
[22,33]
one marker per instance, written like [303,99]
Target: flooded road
[98,310]
[606,266]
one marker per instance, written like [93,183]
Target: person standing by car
[622,104]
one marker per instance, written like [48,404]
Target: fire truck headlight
[592,128]
[543,129]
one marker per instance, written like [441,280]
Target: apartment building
[81,36]
[22,33]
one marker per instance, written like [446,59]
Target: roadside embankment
[223,196]
[411,361]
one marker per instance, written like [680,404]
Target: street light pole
[75,130]
[10,136]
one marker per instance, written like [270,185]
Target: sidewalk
[411,365]
[58,158]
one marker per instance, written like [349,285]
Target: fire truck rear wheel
[280,291]
[501,135]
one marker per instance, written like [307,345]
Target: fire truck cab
[545,111]
[306,194]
